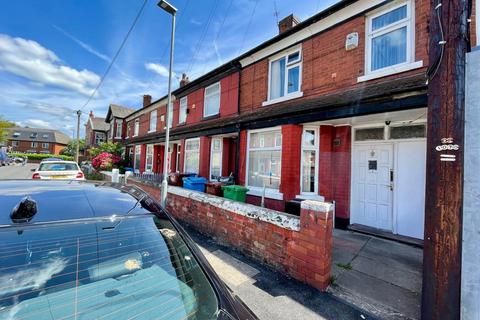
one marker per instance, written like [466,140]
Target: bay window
[285,75]
[192,155]
[153,121]
[390,38]
[310,147]
[264,159]
[212,100]
[182,117]
[149,158]
[216,158]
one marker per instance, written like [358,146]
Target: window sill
[270,194]
[212,116]
[284,98]
[391,70]
[151,131]
[311,197]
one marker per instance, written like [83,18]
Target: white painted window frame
[136,127]
[153,121]
[137,154]
[316,148]
[182,112]
[99,137]
[205,115]
[408,22]
[149,166]
[211,156]
[118,128]
[110,132]
[258,191]
[285,54]
[185,152]
[177,160]
[34,144]
[45,145]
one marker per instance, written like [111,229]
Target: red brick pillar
[242,166]
[182,155]
[226,142]
[173,161]
[325,172]
[291,157]
[310,250]
[342,156]
[143,152]
[204,166]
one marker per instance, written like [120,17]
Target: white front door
[410,163]
[371,203]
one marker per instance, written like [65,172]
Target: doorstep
[385,235]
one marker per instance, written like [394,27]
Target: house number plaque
[447,145]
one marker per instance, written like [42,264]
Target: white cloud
[35,123]
[158,68]
[29,59]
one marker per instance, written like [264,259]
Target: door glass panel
[308,171]
[408,132]
[369,134]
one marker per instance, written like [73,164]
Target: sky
[53,53]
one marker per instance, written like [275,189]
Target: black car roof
[67,200]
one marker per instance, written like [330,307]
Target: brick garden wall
[300,247]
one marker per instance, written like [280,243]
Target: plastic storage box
[194,183]
[237,193]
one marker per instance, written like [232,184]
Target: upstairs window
[136,128]
[285,75]
[389,37]
[45,145]
[212,100]
[110,132]
[16,134]
[153,121]
[182,117]
[118,129]
[34,144]
[99,138]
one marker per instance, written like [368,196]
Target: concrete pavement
[17,171]
[268,293]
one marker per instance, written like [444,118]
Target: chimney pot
[287,23]
[184,80]
[90,114]
[147,100]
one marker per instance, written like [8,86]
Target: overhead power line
[102,79]
[248,27]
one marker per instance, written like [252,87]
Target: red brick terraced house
[116,120]
[36,140]
[96,130]
[332,108]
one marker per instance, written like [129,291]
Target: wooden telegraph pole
[444,183]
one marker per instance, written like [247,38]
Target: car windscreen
[130,268]
[57,166]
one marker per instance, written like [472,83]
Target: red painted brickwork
[204,165]
[341,164]
[273,204]
[325,172]
[327,66]
[182,155]
[304,255]
[243,157]
[291,156]
[143,152]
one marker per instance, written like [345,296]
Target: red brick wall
[341,164]
[24,146]
[327,66]
[204,165]
[304,255]
[143,152]
[182,156]
[242,167]
[273,204]
[325,172]
[291,155]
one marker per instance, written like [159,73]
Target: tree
[4,124]
[114,148]
[71,148]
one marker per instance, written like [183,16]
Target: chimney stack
[184,80]
[90,114]
[287,23]
[147,100]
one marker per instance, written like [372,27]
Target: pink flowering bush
[105,161]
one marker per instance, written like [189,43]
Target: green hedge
[40,156]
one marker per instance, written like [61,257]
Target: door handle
[391,179]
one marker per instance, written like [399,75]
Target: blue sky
[53,53]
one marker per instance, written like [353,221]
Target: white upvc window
[110,131]
[153,121]
[285,76]
[45,145]
[390,41]
[136,160]
[264,160]
[309,161]
[182,117]
[118,128]
[216,150]
[212,100]
[34,144]
[149,158]
[192,155]
[136,128]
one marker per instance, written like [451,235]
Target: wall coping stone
[281,219]
[318,206]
